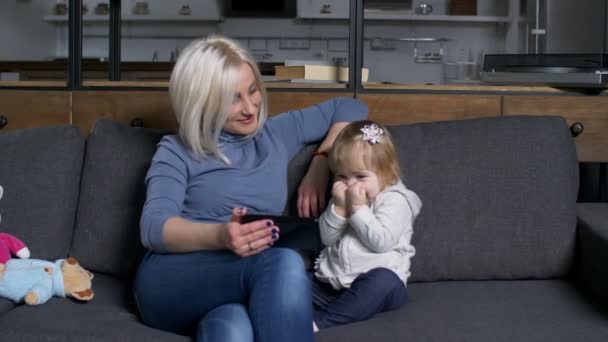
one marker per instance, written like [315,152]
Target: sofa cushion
[298,165]
[498,194]
[106,237]
[109,316]
[40,172]
[481,311]
[6,305]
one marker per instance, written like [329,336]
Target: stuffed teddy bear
[10,244]
[36,281]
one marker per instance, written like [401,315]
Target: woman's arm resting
[183,236]
[312,190]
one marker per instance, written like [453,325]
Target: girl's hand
[356,197]
[338,192]
[249,238]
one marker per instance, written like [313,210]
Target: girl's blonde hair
[350,150]
[202,88]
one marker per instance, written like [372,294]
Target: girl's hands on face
[356,197]
[249,238]
[338,192]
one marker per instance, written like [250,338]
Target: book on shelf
[307,72]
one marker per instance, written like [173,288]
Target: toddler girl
[366,230]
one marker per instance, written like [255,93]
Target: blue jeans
[378,290]
[219,296]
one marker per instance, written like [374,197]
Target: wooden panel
[279,102]
[591,111]
[26,108]
[394,109]
[153,107]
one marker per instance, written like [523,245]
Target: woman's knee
[229,322]
[286,261]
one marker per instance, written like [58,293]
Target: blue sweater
[206,190]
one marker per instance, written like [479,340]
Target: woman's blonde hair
[350,150]
[202,88]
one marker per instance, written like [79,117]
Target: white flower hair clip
[372,133]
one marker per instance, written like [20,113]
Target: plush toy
[10,244]
[36,281]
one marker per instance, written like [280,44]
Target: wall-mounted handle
[3,121]
[137,122]
[576,129]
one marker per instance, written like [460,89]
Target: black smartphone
[278,219]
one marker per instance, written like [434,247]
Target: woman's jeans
[219,296]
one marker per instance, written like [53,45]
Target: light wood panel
[591,111]
[464,87]
[26,108]
[394,109]
[153,107]
[279,102]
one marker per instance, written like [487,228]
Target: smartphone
[278,219]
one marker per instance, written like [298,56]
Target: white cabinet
[323,9]
[172,10]
[153,10]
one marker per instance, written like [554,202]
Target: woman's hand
[311,192]
[249,238]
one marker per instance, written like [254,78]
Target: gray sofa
[504,252]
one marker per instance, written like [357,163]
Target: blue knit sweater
[207,190]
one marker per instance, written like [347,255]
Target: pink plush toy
[10,244]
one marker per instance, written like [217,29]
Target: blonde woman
[206,274]
[367,230]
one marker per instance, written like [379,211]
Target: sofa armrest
[592,240]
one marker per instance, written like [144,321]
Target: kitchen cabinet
[589,111]
[26,109]
[157,10]
[323,9]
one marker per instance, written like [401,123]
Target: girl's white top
[378,235]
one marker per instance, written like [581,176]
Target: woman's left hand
[312,190]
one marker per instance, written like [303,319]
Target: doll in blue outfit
[206,274]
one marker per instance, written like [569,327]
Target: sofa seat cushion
[40,172]
[498,197]
[106,237]
[6,305]
[536,310]
[110,316]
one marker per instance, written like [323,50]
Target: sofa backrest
[106,235]
[40,173]
[498,196]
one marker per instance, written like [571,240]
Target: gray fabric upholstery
[593,248]
[481,311]
[40,172]
[298,165]
[108,317]
[498,197]
[106,237]
[6,305]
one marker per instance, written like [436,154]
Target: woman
[206,274]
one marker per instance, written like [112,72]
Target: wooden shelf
[130,18]
[446,18]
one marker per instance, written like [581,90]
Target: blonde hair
[202,88]
[350,150]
